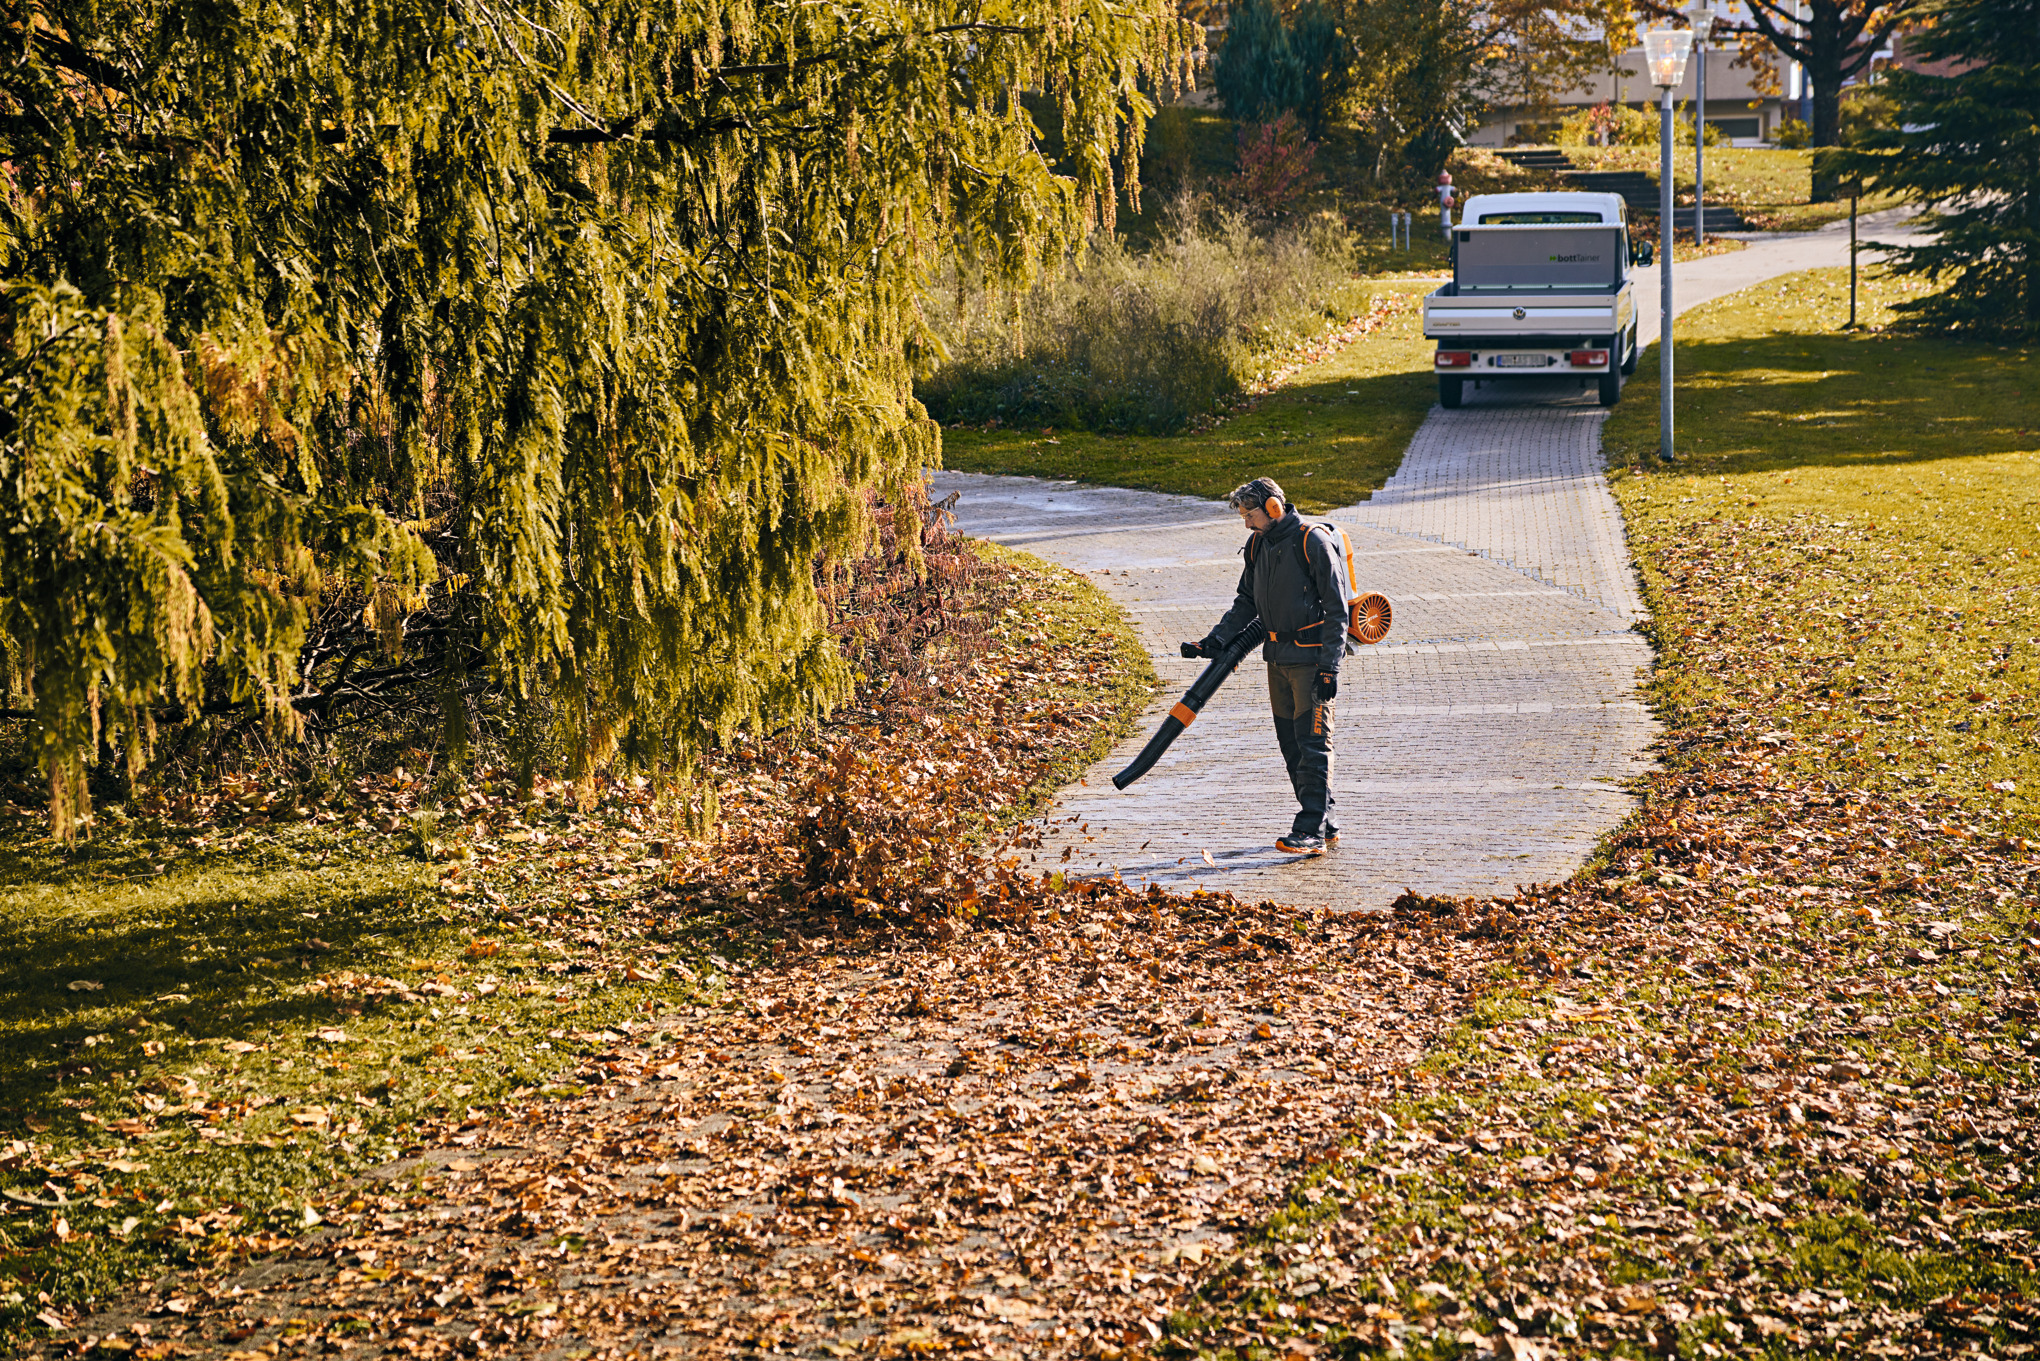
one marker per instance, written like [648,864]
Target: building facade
[1746,101]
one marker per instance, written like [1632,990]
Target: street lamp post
[1700,14]
[1665,51]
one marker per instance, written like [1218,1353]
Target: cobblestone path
[1483,745]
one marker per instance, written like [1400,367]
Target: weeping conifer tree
[588,326]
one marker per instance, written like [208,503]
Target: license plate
[1522,361]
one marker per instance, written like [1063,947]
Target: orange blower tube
[1194,699]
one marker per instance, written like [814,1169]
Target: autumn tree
[577,332]
[1532,52]
[1410,85]
[1416,75]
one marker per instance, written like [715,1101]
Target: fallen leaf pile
[1017,1139]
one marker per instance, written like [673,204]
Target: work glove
[1327,685]
[1207,648]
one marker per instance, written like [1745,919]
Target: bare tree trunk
[1831,43]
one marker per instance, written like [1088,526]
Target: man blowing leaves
[1292,581]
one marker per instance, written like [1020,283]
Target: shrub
[1793,135]
[1137,342]
[1270,64]
[1626,126]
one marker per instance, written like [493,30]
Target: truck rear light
[1455,359]
[1589,359]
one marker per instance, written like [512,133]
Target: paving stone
[1483,745]
[1523,490]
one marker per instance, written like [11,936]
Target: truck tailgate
[1506,316]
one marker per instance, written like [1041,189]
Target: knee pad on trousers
[1286,737]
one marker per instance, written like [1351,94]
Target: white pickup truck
[1540,289]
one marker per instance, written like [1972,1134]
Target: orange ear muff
[1273,505]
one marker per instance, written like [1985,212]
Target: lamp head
[1700,14]
[1665,51]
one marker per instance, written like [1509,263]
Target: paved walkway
[1487,742]
[1481,746]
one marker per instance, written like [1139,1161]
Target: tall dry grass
[1136,341]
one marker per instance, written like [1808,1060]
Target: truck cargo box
[1521,259]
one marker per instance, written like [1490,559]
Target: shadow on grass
[109,962]
[130,966]
[194,1041]
[1781,401]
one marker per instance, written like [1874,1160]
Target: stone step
[1537,158]
[1613,181]
[1634,187]
[1637,188]
[1720,218]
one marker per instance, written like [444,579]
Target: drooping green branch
[620,301]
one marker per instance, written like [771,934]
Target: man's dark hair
[1256,494]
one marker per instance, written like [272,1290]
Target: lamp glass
[1700,14]
[1665,51]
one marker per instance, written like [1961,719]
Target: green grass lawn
[1330,434]
[1772,188]
[1871,498]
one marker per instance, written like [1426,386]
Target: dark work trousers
[1303,727]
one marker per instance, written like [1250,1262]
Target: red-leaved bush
[1274,165]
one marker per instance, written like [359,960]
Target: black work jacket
[1294,581]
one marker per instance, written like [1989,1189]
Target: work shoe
[1331,838]
[1297,843]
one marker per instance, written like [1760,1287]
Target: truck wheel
[1630,357]
[1611,388]
[1450,391]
